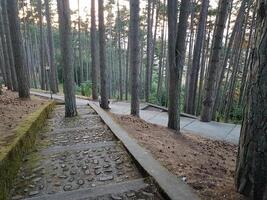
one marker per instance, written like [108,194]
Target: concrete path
[213,130]
[80,158]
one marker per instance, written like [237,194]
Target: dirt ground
[12,111]
[208,166]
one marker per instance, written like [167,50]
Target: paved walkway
[80,158]
[214,130]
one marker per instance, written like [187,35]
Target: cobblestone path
[80,158]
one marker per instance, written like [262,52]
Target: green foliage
[86,89]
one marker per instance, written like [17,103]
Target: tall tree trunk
[134,55]
[102,52]
[208,100]
[66,57]
[176,58]
[119,51]
[93,53]
[127,70]
[9,46]
[148,51]
[41,45]
[80,45]
[251,167]
[53,74]
[237,26]
[19,57]
[192,90]
[5,65]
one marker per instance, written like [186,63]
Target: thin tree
[53,74]
[192,90]
[176,58]
[18,50]
[208,99]
[102,52]
[93,52]
[251,168]
[148,51]
[9,46]
[66,57]
[134,55]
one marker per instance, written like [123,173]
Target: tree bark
[148,51]
[134,55]
[93,53]
[208,100]
[251,167]
[192,90]
[6,70]
[19,57]
[53,74]
[66,57]
[176,58]
[102,52]
[9,46]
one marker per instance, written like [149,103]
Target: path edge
[169,184]
[12,155]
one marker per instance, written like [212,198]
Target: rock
[37,179]
[73,172]
[87,172]
[96,161]
[106,166]
[131,194]
[17,197]
[33,193]
[71,179]
[80,182]
[148,194]
[115,197]
[67,187]
[105,178]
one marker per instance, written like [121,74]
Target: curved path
[213,130]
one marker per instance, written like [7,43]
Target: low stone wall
[11,155]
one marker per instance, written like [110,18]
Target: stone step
[58,149]
[113,191]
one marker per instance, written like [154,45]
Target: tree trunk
[134,55]
[119,51]
[93,53]
[66,57]
[102,52]
[6,70]
[9,46]
[192,90]
[148,51]
[53,77]
[176,58]
[251,168]
[19,57]
[208,100]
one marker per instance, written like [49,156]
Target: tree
[208,99]
[102,44]
[93,51]
[6,70]
[41,47]
[176,58]
[53,78]
[148,50]
[66,57]
[18,50]
[134,55]
[9,46]
[251,167]
[191,101]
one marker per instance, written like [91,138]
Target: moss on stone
[24,138]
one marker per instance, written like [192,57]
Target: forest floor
[207,165]
[12,112]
